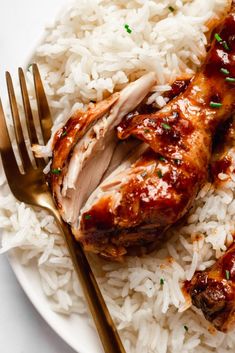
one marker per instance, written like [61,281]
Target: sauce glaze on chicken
[213,291]
[156,190]
[155,185]
[86,146]
[122,174]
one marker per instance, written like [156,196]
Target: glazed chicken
[213,291]
[84,147]
[116,210]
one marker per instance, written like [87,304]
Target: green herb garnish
[64,133]
[162,281]
[166,126]
[221,41]
[146,131]
[171,8]
[224,71]
[215,105]
[56,171]
[230,79]
[227,274]
[159,174]
[225,45]
[127,28]
[162,159]
[218,38]
[87,216]
[186,328]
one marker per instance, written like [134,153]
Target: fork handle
[103,321]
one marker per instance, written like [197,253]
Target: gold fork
[31,188]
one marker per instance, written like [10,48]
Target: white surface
[22,330]
[74,329]
[21,26]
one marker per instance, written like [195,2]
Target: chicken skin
[114,211]
[85,146]
[155,188]
[213,291]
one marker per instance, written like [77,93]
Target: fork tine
[8,158]
[29,115]
[27,109]
[17,125]
[43,107]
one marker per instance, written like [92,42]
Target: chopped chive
[221,41]
[162,159]
[227,274]
[225,45]
[159,174]
[230,79]
[186,328]
[215,105]
[56,171]
[87,216]
[218,38]
[64,133]
[127,28]
[171,8]
[146,131]
[161,281]
[224,71]
[166,126]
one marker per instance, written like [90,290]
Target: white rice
[86,56]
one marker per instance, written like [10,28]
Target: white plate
[21,26]
[74,329]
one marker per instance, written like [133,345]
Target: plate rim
[32,296]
